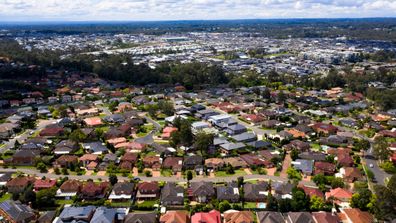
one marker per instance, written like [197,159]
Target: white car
[371,165]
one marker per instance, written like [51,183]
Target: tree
[294,154]
[285,205]
[300,201]
[42,167]
[383,207]
[362,145]
[316,203]
[361,199]
[229,169]
[293,174]
[77,136]
[319,179]
[148,173]
[189,175]
[380,149]
[224,206]
[45,198]
[272,203]
[113,179]
[28,196]
[337,182]
[240,181]
[202,142]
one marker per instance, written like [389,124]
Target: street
[161,178]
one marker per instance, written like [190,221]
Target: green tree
[42,167]
[224,206]
[294,154]
[380,149]
[45,198]
[202,142]
[316,203]
[189,175]
[361,199]
[300,201]
[293,174]
[362,145]
[337,182]
[77,136]
[113,179]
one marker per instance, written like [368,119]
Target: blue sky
[111,10]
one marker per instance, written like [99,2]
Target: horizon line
[185,20]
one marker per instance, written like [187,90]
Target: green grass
[224,174]
[316,147]
[250,205]
[121,204]
[6,196]
[60,202]
[166,173]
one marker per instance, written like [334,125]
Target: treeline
[111,67]
[367,29]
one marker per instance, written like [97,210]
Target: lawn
[121,204]
[224,174]
[6,196]
[60,202]
[316,147]
[166,173]
[250,205]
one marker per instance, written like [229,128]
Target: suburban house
[41,184]
[19,184]
[76,214]
[255,192]
[173,163]
[66,161]
[341,196]
[175,217]
[141,217]
[355,215]
[122,191]
[148,191]
[92,191]
[201,191]
[69,189]
[206,217]
[233,216]
[105,215]
[172,195]
[229,192]
[299,217]
[270,217]
[14,211]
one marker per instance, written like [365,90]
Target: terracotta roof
[339,193]
[89,157]
[209,217]
[238,217]
[175,217]
[326,217]
[93,121]
[355,215]
[47,183]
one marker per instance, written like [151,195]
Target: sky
[154,10]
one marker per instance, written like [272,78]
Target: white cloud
[28,10]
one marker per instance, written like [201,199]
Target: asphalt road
[165,179]
[379,174]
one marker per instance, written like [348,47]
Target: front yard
[224,174]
